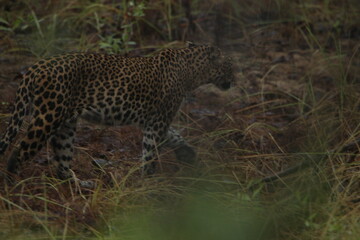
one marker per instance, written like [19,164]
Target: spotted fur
[110,90]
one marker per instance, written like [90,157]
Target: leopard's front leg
[153,137]
[183,151]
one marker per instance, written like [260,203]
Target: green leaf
[5,29]
[4,21]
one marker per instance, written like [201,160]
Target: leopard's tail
[21,106]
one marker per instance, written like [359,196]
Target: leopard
[112,90]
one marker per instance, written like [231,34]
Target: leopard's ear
[190,44]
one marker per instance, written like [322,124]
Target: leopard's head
[217,69]
[222,75]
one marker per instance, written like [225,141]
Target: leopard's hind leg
[46,119]
[62,142]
